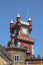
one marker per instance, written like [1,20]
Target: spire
[11,21]
[18,15]
[29,19]
[18,18]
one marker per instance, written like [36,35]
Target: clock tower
[20,35]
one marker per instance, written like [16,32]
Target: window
[15,32]
[18,43]
[12,45]
[25,46]
[32,49]
[16,58]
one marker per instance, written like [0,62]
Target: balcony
[25,39]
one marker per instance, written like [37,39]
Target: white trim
[17,60]
[32,50]
[27,63]
[25,23]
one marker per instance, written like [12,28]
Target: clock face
[24,30]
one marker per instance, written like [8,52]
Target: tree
[38,56]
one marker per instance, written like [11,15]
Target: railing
[26,39]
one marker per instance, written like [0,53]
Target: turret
[30,24]
[11,26]
[18,18]
[20,35]
[12,31]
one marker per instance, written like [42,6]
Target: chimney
[18,18]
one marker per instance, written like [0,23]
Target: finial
[29,18]
[11,21]
[18,15]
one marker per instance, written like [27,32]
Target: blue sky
[9,10]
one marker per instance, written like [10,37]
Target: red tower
[20,36]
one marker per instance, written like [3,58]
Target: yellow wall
[21,54]
[2,60]
[36,64]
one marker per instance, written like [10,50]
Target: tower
[20,35]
